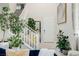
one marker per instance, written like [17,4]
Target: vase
[65,52]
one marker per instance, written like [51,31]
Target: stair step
[28,46]
[18,12]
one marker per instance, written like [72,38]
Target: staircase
[18,12]
[30,37]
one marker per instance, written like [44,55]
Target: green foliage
[31,23]
[12,22]
[63,43]
[16,25]
[5,9]
[15,41]
[4,19]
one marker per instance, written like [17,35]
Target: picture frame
[62,13]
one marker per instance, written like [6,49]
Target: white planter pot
[4,45]
[16,48]
[65,52]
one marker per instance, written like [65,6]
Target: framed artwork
[62,13]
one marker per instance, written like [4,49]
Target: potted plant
[63,44]
[4,21]
[31,23]
[16,27]
[15,42]
[10,21]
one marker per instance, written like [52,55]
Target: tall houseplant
[63,43]
[4,20]
[16,27]
[11,21]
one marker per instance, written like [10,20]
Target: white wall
[12,7]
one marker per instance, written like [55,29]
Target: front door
[48,29]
